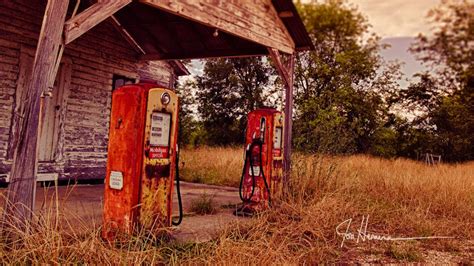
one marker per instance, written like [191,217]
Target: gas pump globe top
[263,168]
[142,157]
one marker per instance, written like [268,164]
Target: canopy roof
[166,31]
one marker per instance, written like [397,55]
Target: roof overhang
[174,30]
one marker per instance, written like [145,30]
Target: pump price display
[160,135]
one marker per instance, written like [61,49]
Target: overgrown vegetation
[402,198]
[348,100]
[443,96]
[205,204]
[341,86]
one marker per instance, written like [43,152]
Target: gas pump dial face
[160,135]
[160,129]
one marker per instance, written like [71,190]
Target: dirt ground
[83,203]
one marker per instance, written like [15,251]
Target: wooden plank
[65,81]
[90,17]
[248,19]
[287,74]
[53,113]
[20,195]
[227,53]
[25,65]
[288,120]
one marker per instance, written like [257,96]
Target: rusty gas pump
[142,160]
[263,163]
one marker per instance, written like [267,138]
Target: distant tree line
[347,98]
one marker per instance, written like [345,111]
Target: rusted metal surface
[140,168]
[272,157]
[125,156]
[157,176]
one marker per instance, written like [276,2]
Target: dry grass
[203,205]
[401,197]
[215,166]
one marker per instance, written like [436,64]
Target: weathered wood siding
[254,20]
[95,58]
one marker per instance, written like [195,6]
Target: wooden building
[74,126]
[82,46]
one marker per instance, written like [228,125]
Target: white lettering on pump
[116,180]
[160,129]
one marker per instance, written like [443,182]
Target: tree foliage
[443,96]
[342,86]
[227,91]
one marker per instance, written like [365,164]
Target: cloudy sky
[398,22]
[396,18]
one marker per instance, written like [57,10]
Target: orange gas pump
[263,164]
[142,160]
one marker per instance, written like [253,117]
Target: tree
[187,118]
[227,91]
[444,94]
[342,86]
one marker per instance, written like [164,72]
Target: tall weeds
[402,198]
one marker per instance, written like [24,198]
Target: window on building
[119,81]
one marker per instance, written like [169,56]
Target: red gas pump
[263,166]
[142,160]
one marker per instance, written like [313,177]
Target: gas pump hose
[260,144]
[178,192]
[249,155]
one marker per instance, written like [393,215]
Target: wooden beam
[253,20]
[286,72]
[127,35]
[20,195]
[90,17]
[281,68]
[286,14]
[231,53]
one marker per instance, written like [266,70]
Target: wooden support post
[20,195]
[288,119]
[286,72]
